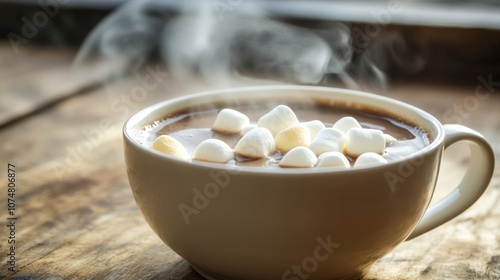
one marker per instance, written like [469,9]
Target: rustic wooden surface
[77,218]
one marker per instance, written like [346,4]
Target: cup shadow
[181,269]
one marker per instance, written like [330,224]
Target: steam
[388,53]
[131,33]
[225,48]
[243,48]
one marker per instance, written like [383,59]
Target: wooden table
[76,216]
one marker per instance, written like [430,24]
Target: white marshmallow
[299,157]
[169,146]
[291,137]
[213,150]
[230,121]
[363,140]
[333,159]
[248,128]
[278,119]
[346,123]
[314,127]
[328,140]
[369,159]
[389,140]
[257,143]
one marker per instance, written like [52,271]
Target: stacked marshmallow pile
[303,144]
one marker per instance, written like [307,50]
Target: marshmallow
[213,150]
[328,140]
[257,143]
[389,140]
[346,123]
[169,146]
[333,159]
[298,157]
[363,140]
[294,136]
[278,119]
[314,127]
[369,159]
[248,128]
[230,121]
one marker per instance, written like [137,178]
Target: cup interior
[136,127]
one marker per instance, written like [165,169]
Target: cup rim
[142,114]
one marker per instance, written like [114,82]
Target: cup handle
[472,186]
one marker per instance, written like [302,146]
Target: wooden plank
[38,77]
[80,221]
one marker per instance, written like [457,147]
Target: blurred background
[344,43]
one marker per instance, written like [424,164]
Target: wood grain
[38,77]
[78,218]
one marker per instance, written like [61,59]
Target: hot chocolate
[193,127]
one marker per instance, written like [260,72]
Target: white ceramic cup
[258,223]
